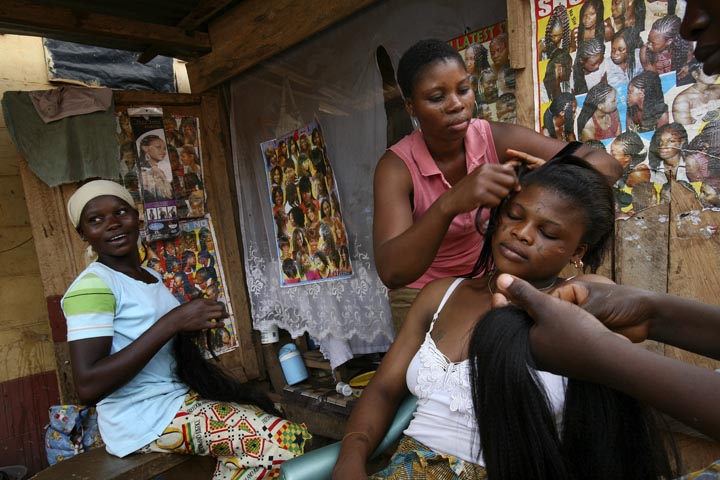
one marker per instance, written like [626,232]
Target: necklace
[491,279]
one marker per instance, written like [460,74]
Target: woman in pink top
[429,185]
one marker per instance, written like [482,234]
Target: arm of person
[567,340]
[681,110]
[97,373]
[404,249]
[588,131]
[640,314]
[375,409]
[647,66]
[516,137]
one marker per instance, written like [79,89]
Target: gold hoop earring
[578,263]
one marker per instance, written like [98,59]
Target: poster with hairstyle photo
[310,233]
[485,52]
[191,268]
[617,75]
[156,174]
[184,151]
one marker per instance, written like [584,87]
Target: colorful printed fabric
[72,429]
[414,461]
[248,443]
[710,473]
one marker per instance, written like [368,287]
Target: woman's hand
[486,186]
[198,314]
[622,309]
[565,339]
[517,158]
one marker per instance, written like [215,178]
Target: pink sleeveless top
[461,246]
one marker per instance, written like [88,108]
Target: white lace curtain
[334,77]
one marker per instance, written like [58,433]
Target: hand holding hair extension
[623,309]
[517,427]
[209,380]
[640,314]
[486,186]
[564,335]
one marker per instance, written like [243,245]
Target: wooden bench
[97,464]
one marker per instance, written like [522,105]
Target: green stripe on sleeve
[90,294]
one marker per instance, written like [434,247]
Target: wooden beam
[42,20]
[520,53]
[203,12]
[257,29]
[216,168]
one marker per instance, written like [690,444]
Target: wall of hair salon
[28,378]
[28,383]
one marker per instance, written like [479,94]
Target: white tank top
[444,419]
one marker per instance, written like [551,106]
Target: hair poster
[309,229]
[616,75]
[155,173]
[485,52]
[191,268]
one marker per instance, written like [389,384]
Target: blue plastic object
[292,364]
[318,464]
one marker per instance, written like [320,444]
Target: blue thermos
[292,364]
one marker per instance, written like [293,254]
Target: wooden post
[519,28]
[694,251]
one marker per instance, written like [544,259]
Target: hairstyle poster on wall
[183,146]
[616,75]
[309,228]
[485,52]
[190,267]
[155,173]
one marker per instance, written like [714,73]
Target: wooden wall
[28,384]
[31,340]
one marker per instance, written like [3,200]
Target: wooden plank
[520,54]
[256,30]
[66,383]
[25,351]
[19,296]
[217,167]
[693,258]
[14,211]
[17,251]
[52,232]
[125,98]
[97,464]
[24,404]
[8,155]
[203,11]
[692,273]
[43,20]
[272,364]
[641,254]
[197,467]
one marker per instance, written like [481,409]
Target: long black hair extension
[209,380]
[604,434]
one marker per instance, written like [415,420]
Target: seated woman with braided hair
[135,354]
[563,213]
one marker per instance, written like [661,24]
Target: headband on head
[91,190]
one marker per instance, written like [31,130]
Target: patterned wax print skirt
[414,461]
